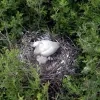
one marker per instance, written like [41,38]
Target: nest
[62,62]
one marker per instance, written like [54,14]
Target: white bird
[41,59]
[45,47]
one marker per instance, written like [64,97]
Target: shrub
[86,21]
[79,19]
[18,82]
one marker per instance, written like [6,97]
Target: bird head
[35,44]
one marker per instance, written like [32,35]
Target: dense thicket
[79,19]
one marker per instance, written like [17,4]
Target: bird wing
[47,52]
[43,46]
[46,48]
[40,48]
[52,48]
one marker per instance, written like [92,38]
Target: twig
[3,35]
[7,36]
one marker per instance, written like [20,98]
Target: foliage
[10,20]
[16,13]
[64,16]
[86,21]
[79,19]
[37,13]
[17,82]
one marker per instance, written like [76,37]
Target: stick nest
[62,63]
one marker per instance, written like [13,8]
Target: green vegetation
[18,82]
[79,19]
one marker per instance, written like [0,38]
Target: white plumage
[41,59]
[44,48]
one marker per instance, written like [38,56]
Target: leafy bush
[82,20]
[79,19]
[10,21]
[64,16]
[19,82]
[18,16]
